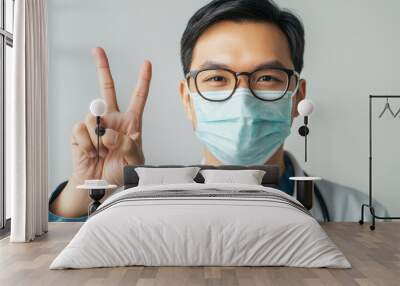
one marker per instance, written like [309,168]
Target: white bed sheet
[200,231]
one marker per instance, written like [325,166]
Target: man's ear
[299,96]
[187,102]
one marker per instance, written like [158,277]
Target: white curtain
[27,123]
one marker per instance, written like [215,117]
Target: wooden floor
[374,255]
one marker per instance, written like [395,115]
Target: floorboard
[374,255]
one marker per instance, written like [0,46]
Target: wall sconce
[98,109]
[305,108]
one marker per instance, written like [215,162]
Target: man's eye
[268,78]
[216,78]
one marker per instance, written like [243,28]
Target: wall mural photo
[220,83]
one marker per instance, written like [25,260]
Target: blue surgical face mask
[243,130]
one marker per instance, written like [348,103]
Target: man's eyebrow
[267,64]
[213,65]
[270,64]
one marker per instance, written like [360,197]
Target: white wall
[352,50]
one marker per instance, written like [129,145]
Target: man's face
[241,47]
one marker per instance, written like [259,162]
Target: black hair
[243,10]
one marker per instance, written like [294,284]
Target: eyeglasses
[267,84]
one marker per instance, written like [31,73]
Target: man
[242,61]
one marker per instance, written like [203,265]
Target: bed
[201,224]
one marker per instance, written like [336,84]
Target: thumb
[111,139]
[126,145]
[137,138]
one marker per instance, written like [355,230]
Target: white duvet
[207,230]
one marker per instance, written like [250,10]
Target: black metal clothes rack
[370,205]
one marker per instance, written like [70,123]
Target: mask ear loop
[296,89]
[187,89]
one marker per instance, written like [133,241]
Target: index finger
[139,96]
[105,79]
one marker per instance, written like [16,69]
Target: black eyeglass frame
[195,73]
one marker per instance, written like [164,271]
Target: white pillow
[162,176]
[248,177]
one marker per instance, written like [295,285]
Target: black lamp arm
[100,131]
[304,131]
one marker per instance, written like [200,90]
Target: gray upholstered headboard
[270,179]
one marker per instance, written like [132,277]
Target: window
[6,44]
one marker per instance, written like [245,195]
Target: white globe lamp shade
[305,107]
[98,107]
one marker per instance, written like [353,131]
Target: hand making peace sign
[122,143]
